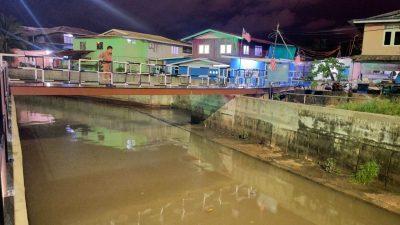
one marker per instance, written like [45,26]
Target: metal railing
[313,99]
[4,134]
[136,73]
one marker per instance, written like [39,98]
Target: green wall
[135,51]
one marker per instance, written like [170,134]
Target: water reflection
[26,117]
[99,164]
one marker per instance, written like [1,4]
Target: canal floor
[91,163]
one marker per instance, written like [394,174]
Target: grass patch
[377,105]
[367,173]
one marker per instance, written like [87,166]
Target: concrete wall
[20,210]
[200,107]
[322,132]
[373,42]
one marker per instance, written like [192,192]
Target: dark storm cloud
[177,18]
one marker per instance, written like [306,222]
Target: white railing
[136,70]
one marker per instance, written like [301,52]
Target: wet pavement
[91,163]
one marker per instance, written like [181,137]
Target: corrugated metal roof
[142,36]
[203,60]
[383,18]
[33,31]
[258,40]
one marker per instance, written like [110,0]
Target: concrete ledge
[20,211]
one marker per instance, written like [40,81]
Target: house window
[228,49]
[99,45]
[131,41]
[204,49]
[246,50]
[174,50]
[187,50]
[258,51]
[397,38]
[225,49]
[68,38]
[388,38]
[39,39]
[222,49]
[153,46]
[82,45]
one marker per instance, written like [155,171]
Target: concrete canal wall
[352,138]
[200,106]
[20,210]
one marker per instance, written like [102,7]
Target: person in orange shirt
[106,56]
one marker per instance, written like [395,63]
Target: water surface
[88,163]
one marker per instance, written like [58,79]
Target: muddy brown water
[91,163]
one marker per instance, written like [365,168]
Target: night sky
[179,18]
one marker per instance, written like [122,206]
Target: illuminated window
[258,51]
[225,49]
[68,38]
[222,49]
[204,49]
[131,41]
[82,45]
[174,50]
[246,50]
[99,45]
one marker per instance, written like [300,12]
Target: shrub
[367,173]
[329,165]
[120,69]
[314,85]
[244,135]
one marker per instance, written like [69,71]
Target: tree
[8,34]
[327,68]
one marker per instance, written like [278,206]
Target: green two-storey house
[132,46]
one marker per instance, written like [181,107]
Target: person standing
[106,58]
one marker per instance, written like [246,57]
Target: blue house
[219,49]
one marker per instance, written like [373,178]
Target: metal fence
[321,100]
[4,135]
[136,73]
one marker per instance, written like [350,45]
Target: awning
[266,60]
[200,62]
[71,54]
